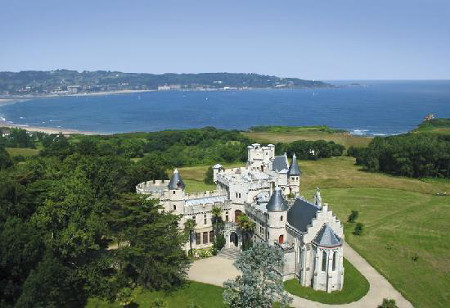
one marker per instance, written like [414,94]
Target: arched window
[174,207]
[324,261]
[281,218]
[334,260]
[281,239]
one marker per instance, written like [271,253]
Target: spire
[317,198]
[176,182]
[276,202]
[293,169]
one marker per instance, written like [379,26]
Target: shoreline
[49,130]
[15,99]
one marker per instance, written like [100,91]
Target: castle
[267,190]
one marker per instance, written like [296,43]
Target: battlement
[152,187]
[204,194]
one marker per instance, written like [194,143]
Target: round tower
[277,208]
[176,193]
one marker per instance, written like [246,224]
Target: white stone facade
[267,190]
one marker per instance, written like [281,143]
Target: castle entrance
[234,239]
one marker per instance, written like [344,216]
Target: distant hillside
[437,126]
[67,81]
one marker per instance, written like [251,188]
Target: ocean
[374,108]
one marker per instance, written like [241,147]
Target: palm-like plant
[189,226]
[247,227]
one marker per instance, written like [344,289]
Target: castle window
[205,237]
[334,260]
[236,195]
[197,238]
[239,195]
[226,216]
[281,218]
[204,219]
[174,192]
[324,261]
[174,207]
[211,236]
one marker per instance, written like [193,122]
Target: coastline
[48,130]
[15,99]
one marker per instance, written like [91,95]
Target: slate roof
[327,238]
[301,214]
[276,202]
[176,182]
[294,169]
[280,163]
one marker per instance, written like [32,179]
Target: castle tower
[277,215]
[176,194]
[294,176]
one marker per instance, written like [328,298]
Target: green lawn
[200,294]
[400,225]
[25,152]
[309,134]
[355,287]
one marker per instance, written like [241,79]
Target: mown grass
[356,287]
[25,152]
[193,293]
[193,177]
[405,238]
[343,138]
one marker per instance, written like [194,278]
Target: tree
[189,226]
[353,215]
[52,284]
[260,284]
[247,227]
[358,229]
[209,176]
[154,257]
[5,159]
[388,303]
[217,221]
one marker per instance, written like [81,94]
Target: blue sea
[374,108]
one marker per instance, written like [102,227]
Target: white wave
[359,132]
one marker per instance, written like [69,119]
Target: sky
[313,39]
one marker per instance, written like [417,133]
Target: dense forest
[41,82]
[412,155]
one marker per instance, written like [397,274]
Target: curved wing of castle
[267,190]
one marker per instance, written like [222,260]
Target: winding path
[218,269]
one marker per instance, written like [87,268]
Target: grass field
[194,293]
[355,287]
[25,152]
[291,134]
[402,218]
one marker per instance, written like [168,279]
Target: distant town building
[267,190]
[73,89]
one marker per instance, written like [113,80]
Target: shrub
[353,215]
[358,229]
[388,303]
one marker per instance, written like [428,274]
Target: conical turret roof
[176,182]
[294,169]
[276,202]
